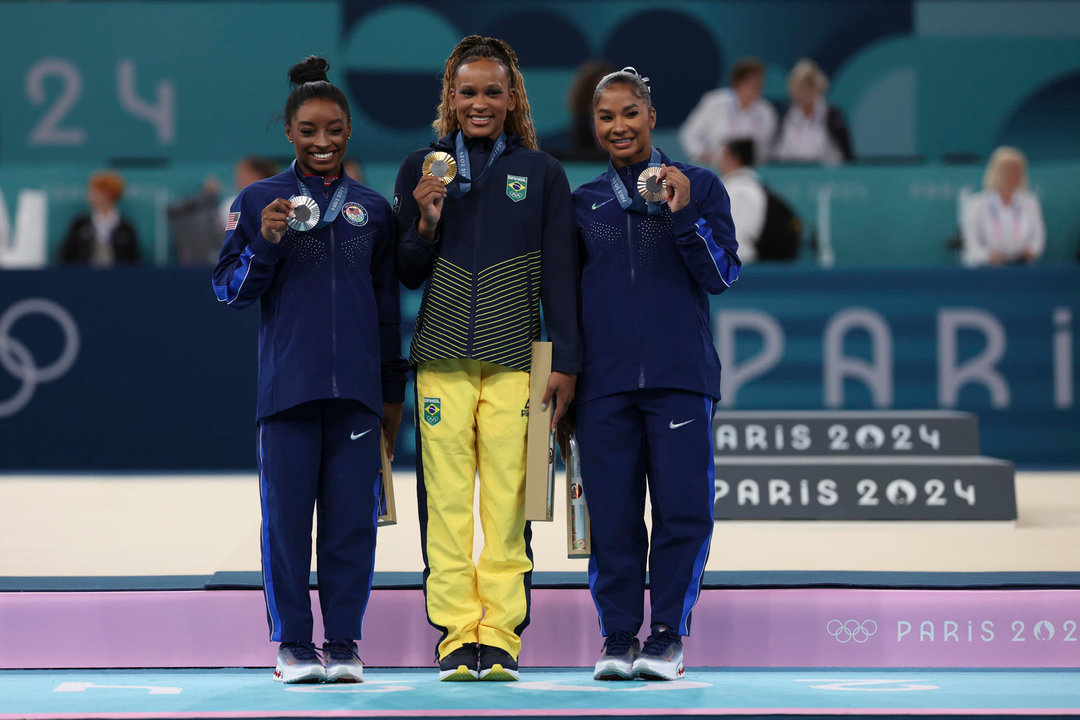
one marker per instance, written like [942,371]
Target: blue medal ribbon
[635,203]
[464,176]
[336,202]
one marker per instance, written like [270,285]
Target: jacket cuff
[569,367]
[684,222]
[265,251]
[393,390]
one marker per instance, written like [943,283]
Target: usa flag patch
[234,218]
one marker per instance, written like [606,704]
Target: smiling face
[624,124]
[320,131]
[481,97]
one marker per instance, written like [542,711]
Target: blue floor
[248,693]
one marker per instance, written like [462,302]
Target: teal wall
[915,77]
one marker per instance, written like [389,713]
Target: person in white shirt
[812,130]
[735,112]
[1003,224]
[748,198]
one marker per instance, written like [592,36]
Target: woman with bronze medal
[315,249]
[657,240]
[485,225]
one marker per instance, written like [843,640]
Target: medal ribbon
[336,202]
[635,203]
[464,176]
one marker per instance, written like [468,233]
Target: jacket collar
[446,142]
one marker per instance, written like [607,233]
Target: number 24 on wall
[161,113]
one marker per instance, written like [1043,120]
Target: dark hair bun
[312,69]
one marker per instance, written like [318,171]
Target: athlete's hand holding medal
[438,171]
[674,187]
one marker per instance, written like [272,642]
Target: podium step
[762,627]
[864,488]
[843,433]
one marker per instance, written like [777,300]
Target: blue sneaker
[343,663]
[299,663]
[662,656]
[459,665]
[617,661]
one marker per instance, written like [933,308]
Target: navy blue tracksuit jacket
[648,389]
[329,356]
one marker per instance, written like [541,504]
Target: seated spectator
[747,195]
[102,237]
[729,113]
[765,225]
[1004,223]
[247,170]
[812,130]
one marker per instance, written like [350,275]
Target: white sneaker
[343,663]
[662,656]
[299,663]
[617,661]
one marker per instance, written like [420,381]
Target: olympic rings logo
[20,363]
[851,630]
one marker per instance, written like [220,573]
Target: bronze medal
[649,187]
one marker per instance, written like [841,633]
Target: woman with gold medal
[657,240]
[485,225]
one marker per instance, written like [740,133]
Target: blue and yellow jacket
[645,284]
[500,250]
[330,314]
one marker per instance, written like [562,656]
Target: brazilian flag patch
[432,411]
[516,187]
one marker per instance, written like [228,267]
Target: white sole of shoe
[345,675]
[307,676]
[613,671]
[648,671]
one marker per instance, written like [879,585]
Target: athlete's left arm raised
[705,234]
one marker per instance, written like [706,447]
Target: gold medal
[649,187]
[305,213]
[441,165]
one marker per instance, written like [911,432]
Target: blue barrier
[141,369]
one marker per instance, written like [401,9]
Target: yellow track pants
[473,417]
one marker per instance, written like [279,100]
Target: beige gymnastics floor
[197,525]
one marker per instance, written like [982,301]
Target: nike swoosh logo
[675,426]
[600,205]
[357,436]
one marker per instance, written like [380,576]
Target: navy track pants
[323,453]
[662,438]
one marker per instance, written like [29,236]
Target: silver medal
[305,213]
[651,188]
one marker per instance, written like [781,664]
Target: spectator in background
[1004,223]
[354,169]
[812,130]
[247,170]
[582,145]
[735,112]
[102,237]
[748,198]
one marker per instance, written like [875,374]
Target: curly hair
[519,120]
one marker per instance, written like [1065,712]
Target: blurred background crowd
[872,133]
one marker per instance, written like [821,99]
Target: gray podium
[865,465]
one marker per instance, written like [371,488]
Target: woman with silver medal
[656,239]
[315,249]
